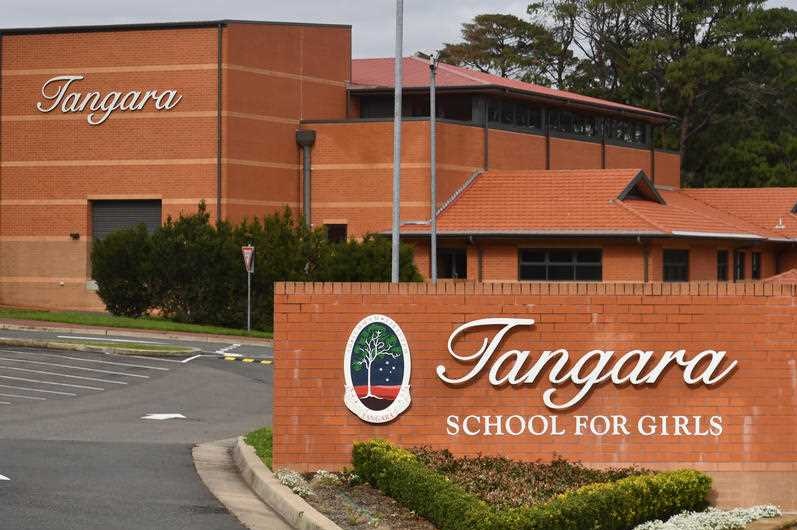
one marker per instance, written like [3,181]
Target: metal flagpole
[433,159]
[394,272]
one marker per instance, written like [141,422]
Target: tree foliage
[191,270]
[726,69]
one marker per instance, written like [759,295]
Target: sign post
[249,264]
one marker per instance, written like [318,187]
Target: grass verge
[111,321]
[137,346]
[261,441]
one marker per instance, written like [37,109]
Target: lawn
[138,346]
[106,320]
[261,440]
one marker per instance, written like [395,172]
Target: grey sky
[427,23]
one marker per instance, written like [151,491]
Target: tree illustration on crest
[373,344]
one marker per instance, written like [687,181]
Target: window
[576,123]
[738,265]
[628,131]
[560,264]
[336,233]
[676,266]
[514,114]
[722,265]
[756,265]
[452,263]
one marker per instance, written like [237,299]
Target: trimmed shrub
[399,474]
[612,505]
[192,271]
[122,268]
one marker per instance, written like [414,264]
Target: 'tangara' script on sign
[592,369]
[60,96]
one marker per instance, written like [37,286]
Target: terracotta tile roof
[766,208]
[564,202]
[584,202]
[378,73]
[790,276]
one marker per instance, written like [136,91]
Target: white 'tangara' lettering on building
[56,91]
[590,370]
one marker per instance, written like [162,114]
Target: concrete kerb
[131,332]
[295,510]
[54,345]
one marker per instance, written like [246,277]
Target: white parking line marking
[23,397]
[82,378]
[49,383]
[3,477]
[222,351]
[92,360]
[74,367]
[190,359]
[4,403]
[166,416]
[105,339]
[152,359]
[39,390]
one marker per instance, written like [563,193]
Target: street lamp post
[433,159]
[394,269]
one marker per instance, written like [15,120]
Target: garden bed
[508,483]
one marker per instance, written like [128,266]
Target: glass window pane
[531,255]
[560,256]
[507,112]
[589,256]
[560,272]
[532,272]
[589,273]
[493,109]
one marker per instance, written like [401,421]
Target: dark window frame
[675,270]
[739,258]
[333,235]
[579,267]
[755,265]
[453,253]
[722,265]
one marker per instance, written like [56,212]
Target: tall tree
[505,45]
[726,69]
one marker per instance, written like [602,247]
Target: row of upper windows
[511,113]
[526,116]
[586,264]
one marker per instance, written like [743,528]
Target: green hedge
[613,505]
[190,269]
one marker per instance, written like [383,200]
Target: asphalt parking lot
[76,451]
[29,375]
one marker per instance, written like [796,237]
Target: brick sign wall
[740,429]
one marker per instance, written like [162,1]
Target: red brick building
[107,126]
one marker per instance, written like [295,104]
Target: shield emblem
[377,370]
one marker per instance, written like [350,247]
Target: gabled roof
[593,202]
[790,276]
[370,74]
[770,209]
[560,202]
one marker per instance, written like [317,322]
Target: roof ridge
[457,70]
[460,190]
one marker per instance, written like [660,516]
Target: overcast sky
[427,23]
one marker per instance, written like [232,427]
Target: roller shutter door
[107,216]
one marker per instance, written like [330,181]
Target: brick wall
[53,165]
[752,461]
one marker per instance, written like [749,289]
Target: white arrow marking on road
[226,349]
[3,477]
[163,417]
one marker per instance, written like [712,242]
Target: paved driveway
[81,456]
